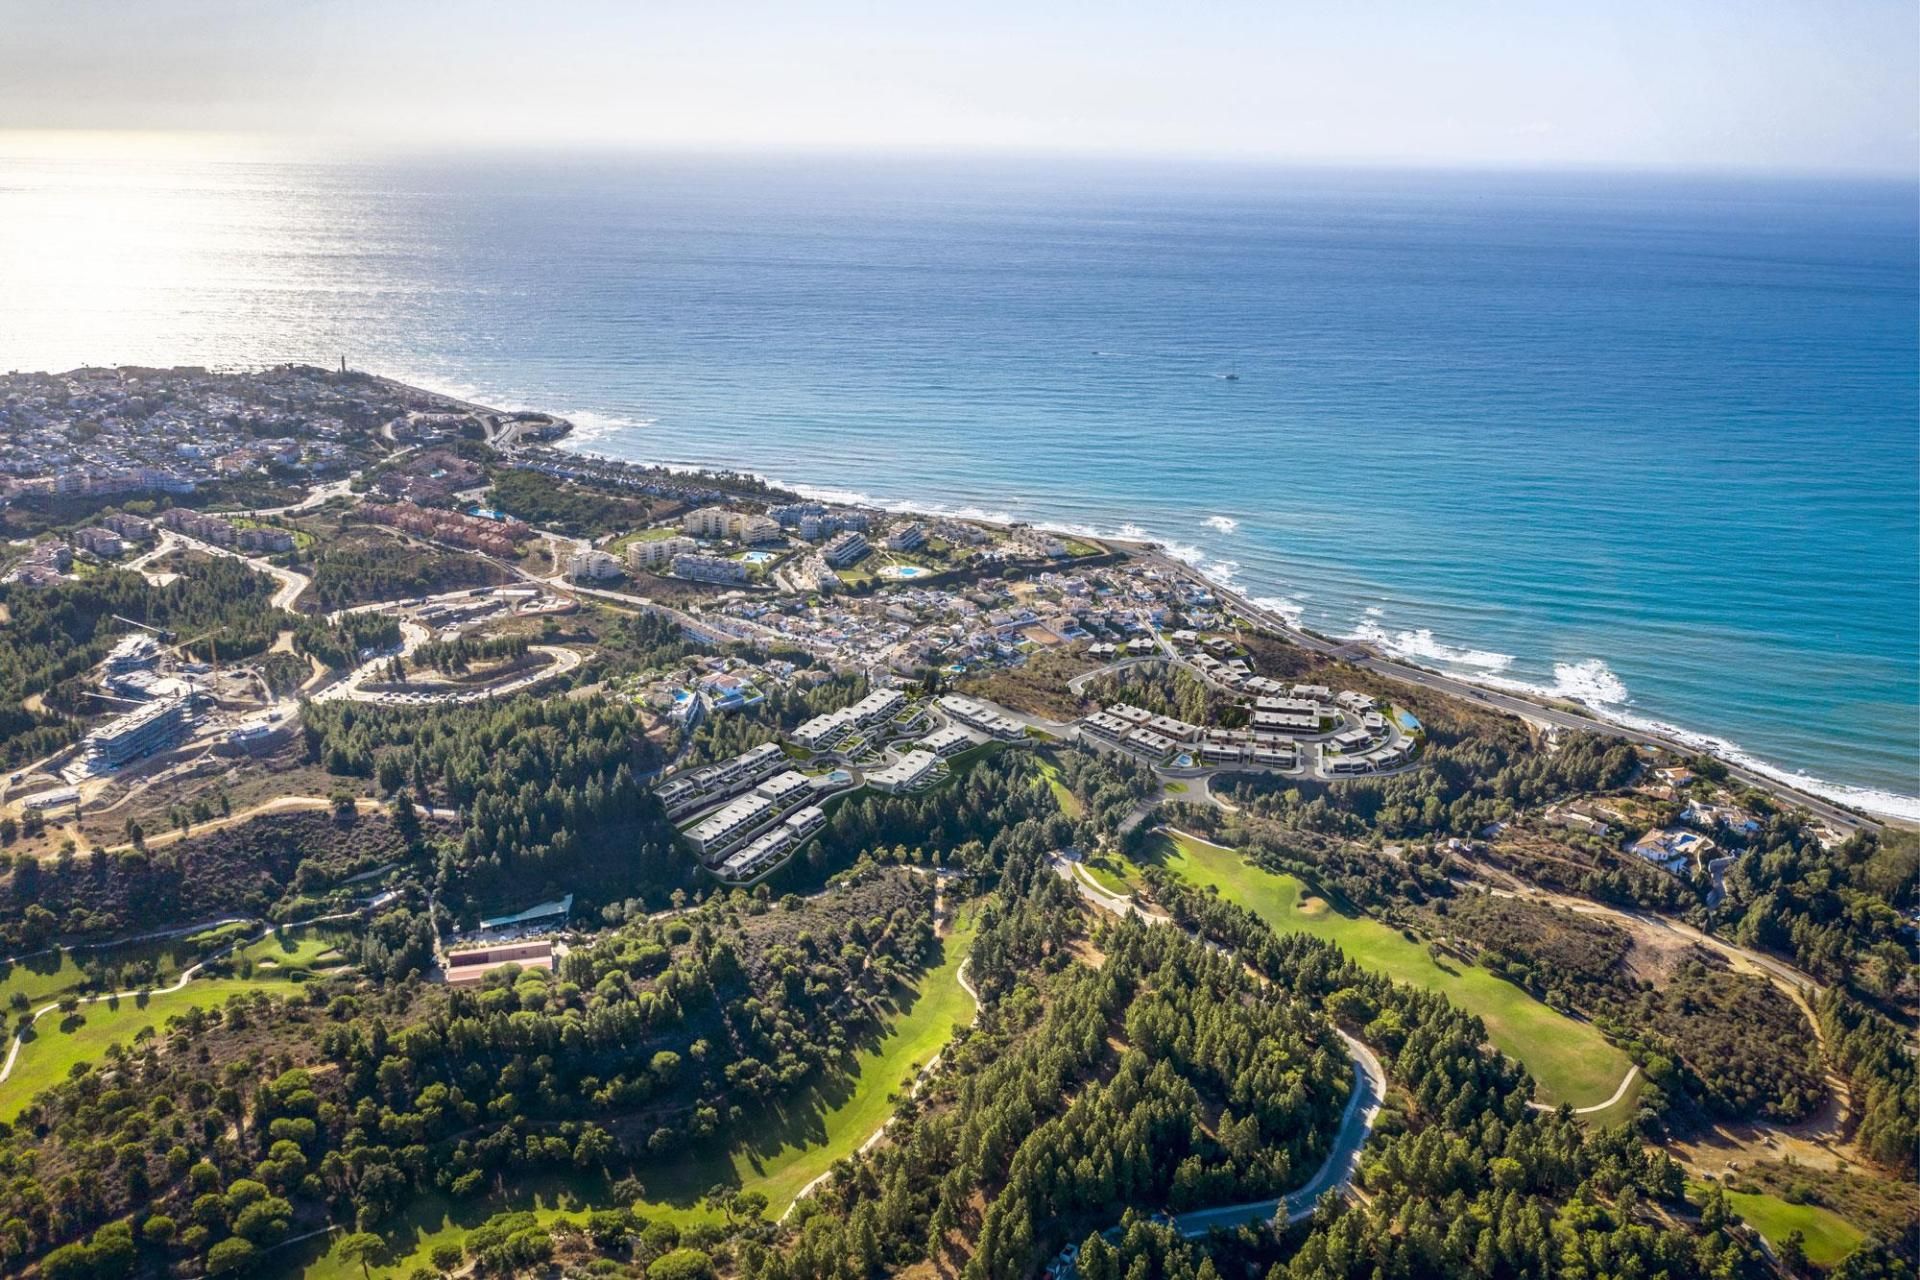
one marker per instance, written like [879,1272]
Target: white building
[657,553]
[701,568]
[946,742]
[980,716]
[847,547]
[906,537]
[909,771]
[592,566]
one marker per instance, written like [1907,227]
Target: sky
[1793,85]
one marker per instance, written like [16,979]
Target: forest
[236,1126]
[364,566]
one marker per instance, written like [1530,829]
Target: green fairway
[40,977]
[43,976]
[1113,871]
[1828,1237]
[295,953]
[827,1123]
[1069,803]
[60,1040]
[1569,1059]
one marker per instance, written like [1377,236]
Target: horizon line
[345,148]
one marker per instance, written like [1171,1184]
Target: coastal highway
[1840,817]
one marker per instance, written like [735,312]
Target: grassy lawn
[59,1042]
[1069,802]
[825,1124]
[42,977]
[297,953]
[1570,1060]
[1828,1236]
[1113,871]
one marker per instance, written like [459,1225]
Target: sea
[1650,442]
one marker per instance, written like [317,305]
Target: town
[399,702]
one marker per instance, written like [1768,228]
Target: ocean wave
[1291,610]
[1423,644]
[1225,524]
[1593,685]
[1589,682]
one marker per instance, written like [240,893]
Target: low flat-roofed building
[1353,701]
[1285,721]
[1395,754]
[1150,744]
[469,966]
[1221,752]
[1102,724]
[805,820]
[909,771]
[949,740]
[823,731]
[1298,706]
[879,705]
[1278,755]
[1131,714]
[1312,692]
[980,716]
[726,827]
[1352,739]
[757,854]
[784,788]
[1178,730]
[58,798]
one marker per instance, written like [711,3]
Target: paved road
[1356,1123]
[1843,818]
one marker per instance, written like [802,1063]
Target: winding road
[1356,1123]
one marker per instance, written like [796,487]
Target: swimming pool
[758,557]
[901,571]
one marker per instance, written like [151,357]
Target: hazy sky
[1770,84]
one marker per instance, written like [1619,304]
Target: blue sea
[1649,442]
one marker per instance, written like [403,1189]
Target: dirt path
[1825,1139]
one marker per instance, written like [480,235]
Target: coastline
[1847,804]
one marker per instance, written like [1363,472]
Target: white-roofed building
[910,771]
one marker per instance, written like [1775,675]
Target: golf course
[778,1157]
[61,1039]
[1570,1060]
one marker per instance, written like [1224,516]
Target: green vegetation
[365,566]
[1825,1236]
[1070,804]
[1570,1060]
[62,1041]
[561,505]
[1728,1043]
[826,1124]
